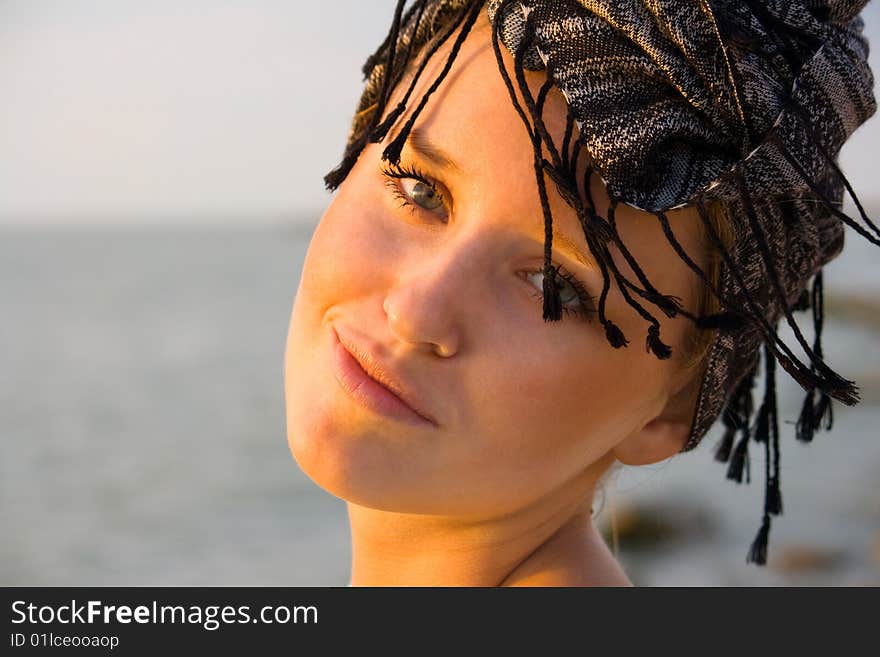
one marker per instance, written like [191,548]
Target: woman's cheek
[594,393]
[344,255]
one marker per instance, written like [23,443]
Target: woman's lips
[369,392]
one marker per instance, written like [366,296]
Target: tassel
[739,460]
[668,304]
[393,149]
[722,454]
[836,386]
[813,415]
[806,422]
[614,335]
[824,412]
[655,344]
[552,301]
[335,177]
[774,497]
[736,415]
[758,551]
[805,378]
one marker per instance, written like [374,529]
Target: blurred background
[160,178]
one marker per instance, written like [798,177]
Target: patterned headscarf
[739,103]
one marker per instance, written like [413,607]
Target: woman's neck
[551,544]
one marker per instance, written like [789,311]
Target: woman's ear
[665,434]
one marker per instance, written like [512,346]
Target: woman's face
[440,279]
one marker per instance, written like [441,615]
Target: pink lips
[369,392]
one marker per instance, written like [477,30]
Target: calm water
[143,439]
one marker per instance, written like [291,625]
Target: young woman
[528,187]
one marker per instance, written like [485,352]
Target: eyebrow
[572,249]
[425,148]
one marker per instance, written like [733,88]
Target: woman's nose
[424,309]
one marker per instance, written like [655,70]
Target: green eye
[567,292]
[572,293]
[414,188]
[422,194]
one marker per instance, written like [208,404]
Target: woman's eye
[567,292]
[421,193]
[571,291]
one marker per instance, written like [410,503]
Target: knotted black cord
[393,150]
[767,432]
[379,132]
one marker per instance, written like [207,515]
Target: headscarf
[742,103]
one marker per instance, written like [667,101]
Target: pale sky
[125,111]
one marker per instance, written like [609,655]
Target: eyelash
[587,300]
[396,172]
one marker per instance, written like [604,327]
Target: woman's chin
[364,466]
[348,462]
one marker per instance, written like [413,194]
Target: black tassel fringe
[758,551]
[614,335]
[655,345]
[806,422]
[722,454]
[739,460]
[824,412]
